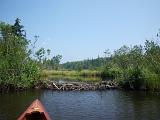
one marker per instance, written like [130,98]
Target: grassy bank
[128,79]
[74,78]
[85,73]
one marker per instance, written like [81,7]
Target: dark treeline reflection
[14,103]
[86,105]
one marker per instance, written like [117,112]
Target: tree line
[91,64]
[136,67]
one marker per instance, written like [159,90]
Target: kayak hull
[35,111]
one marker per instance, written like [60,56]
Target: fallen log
[55,85]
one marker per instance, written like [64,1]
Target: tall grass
[86,73]
[75,78]
[152,81]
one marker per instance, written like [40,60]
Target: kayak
[35,111]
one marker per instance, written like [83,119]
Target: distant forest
[92,64]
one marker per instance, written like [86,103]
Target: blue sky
[81,29]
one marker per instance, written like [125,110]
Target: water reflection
[85,105]
[14,103]
[103,105]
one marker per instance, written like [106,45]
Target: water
[85,105]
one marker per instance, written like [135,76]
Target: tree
[40,54]
[18,29]
[48,52]
[55,62]
[16,66]
[152,56]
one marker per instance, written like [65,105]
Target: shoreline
[72,86]
[77,86]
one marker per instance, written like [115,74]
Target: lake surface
[85,105]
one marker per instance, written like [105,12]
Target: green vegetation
[84,73]
[72,78]
[20,67]
[139,66]
[17,69]
[45,63]
[91,64]
[136,67]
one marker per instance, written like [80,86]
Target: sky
[82,29]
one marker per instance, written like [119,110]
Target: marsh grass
[85,73]
[75,78]
[83,76]
[153,81]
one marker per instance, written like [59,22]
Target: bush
[152,80]
[111,72]
[16,66]
[133,78]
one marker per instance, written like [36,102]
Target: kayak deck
[35,111]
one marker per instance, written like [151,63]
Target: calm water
[85,105]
